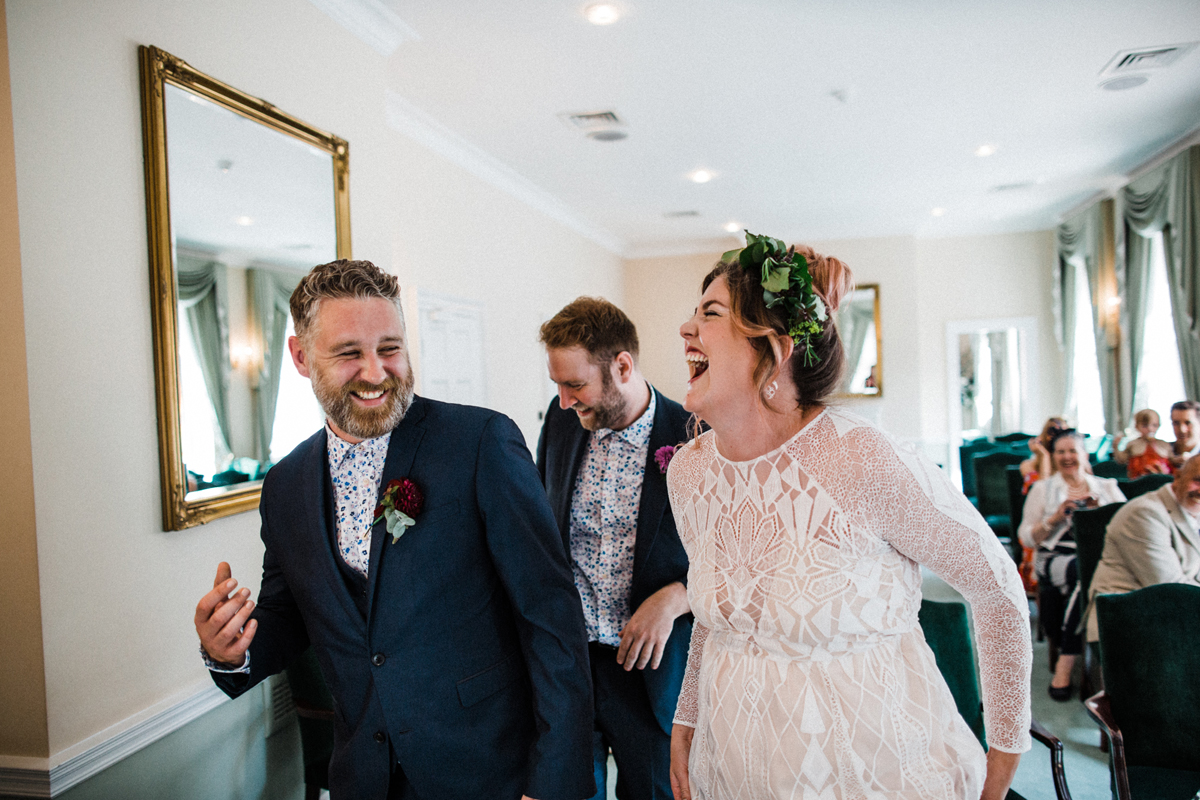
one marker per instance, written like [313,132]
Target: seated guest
[1040,465]
[1152,539]
[1146,454]
[1048,527]
[1185,419]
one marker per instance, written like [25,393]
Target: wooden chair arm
[309,711]
[1037,731]
[1100,709]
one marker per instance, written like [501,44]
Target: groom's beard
[364,423]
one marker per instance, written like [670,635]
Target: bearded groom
[454,645]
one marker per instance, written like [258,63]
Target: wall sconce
[241,356]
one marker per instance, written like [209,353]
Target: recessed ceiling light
[244,220]
[985,150]
[938,212]
[701,176]
[732,227]
[602,13]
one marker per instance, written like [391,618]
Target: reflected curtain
[270,292]
[1088,237]
[1005,413]
[854,323]
[201,293]
[1166,199]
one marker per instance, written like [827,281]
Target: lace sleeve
[687,709]
[910,503]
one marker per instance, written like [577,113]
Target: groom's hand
[644,637]
[221,620]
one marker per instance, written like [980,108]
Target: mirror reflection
[858,325]
[252,209]
[990,382]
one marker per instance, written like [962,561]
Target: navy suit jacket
[658,555]
[463,657]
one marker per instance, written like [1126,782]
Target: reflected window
[206,454]
[298,415]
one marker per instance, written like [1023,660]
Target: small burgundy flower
[408,497]
[399,506]
[663,456]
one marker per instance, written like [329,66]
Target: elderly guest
[1048,527]
[1152,539]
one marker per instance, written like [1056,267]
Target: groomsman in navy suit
[448,629]
[603,452]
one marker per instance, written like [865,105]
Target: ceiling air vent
[680,214]
[600,126]
[1145,58]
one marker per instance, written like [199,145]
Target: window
[297,413]
[1160,377]
[201,438]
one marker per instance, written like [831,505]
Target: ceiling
[819,120]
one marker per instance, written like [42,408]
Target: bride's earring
[771,390]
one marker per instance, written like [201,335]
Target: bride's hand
[1001,769]
[681,748]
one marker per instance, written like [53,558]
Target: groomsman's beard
[364,423]
[612,408]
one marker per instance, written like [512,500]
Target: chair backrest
[1090,525]
[966,455]
[1011,438]
[1140,486]
[1016,498]
[991,487]
[1110,469]
[949,637]
[1151,665]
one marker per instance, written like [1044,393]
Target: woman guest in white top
[1048,527]
[804,525]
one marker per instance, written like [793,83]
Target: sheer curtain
[270,292]
[1088,237]
[201,288]
[1166,200]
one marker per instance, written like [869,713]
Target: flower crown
[787,284]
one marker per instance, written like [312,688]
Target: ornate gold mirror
[242,200]
[862,336]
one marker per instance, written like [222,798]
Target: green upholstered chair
[1014,438]
[992,495]
[1150,707]
[314,707]
[1014,482]
[1140,486]
[1110,469]
[966,455]
[1090,525]
[949,637]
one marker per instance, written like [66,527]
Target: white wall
[117,593]
[924,283]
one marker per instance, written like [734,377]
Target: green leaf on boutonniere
[398,523]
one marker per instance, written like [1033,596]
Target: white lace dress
[809,676]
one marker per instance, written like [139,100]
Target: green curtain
[270,292]
[201,292]
[1088,236]
[1167,199]
[1064,285]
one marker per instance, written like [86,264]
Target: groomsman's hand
[644,637]
[221,620]
[681,750]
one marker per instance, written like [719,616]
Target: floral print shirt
[604,514]
[356,471]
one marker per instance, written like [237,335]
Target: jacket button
[380,737]
[378,659]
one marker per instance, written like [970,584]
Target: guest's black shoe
[1061,694]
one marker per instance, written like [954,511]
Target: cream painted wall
[924,283]
[22,672]
[118,593]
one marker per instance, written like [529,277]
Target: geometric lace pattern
[808,675]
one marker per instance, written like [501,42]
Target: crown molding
[405,118]
[371,21]
[50,777]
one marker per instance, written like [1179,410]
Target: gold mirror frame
[878,347]
[159,68]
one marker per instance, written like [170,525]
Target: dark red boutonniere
[663,456]
[399,505]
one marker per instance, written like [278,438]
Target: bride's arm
[687,710]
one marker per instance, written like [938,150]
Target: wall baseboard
[38,778]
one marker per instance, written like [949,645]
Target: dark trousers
[626,725]
[1060,604]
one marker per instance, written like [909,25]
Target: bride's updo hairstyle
[832,280]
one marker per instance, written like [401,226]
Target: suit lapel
[654,486]
[571,451]
[1179,519]
[402,450]
[317,499]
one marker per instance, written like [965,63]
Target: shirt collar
[637,433]
[339,449]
